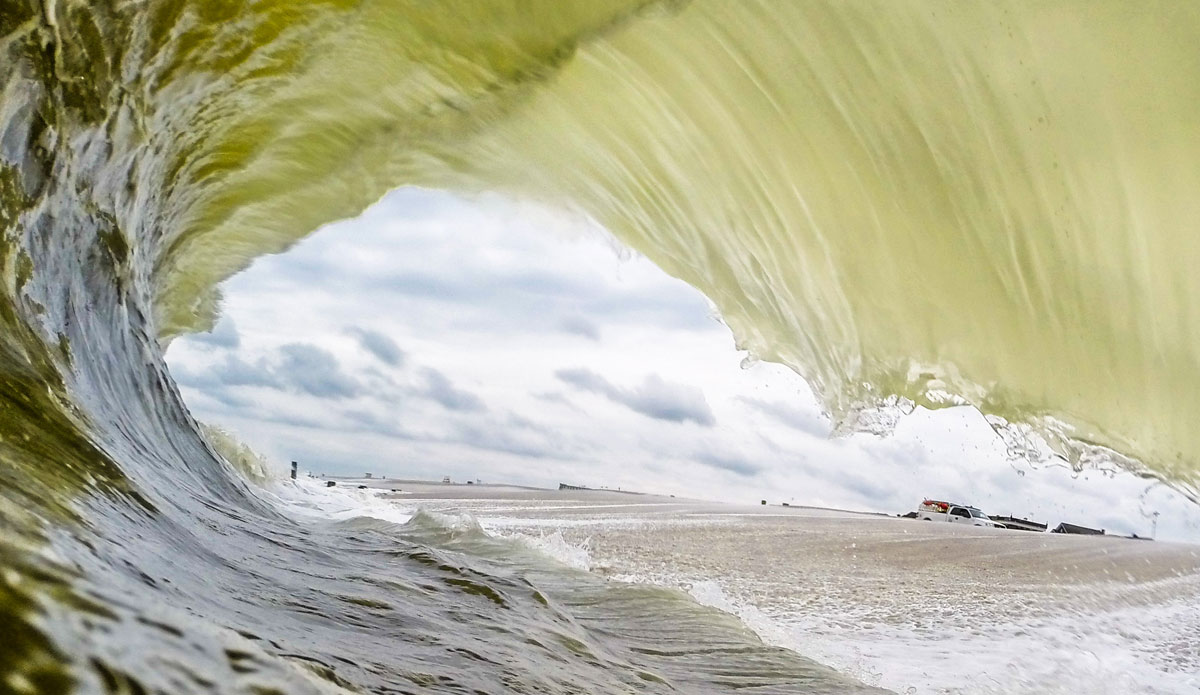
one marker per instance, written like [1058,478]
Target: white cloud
[439,388]
[223,335]
[379,345]
[654,398]
[535,353]
[314,371]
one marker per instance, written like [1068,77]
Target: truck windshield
[978,514]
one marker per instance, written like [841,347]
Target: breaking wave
[926,202]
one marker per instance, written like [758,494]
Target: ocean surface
[908,202]
[905,605]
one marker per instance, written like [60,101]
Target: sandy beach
[907,605]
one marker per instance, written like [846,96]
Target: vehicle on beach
[937,510]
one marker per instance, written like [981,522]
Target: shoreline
[432,489]
[439,490]
[873,596]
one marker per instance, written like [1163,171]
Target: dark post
[294,464]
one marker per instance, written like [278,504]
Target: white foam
[306,498]
[1117,648]
[1132,650]
[553,545]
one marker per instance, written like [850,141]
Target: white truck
[936,510]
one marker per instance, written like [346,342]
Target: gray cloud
[557,398]
[372,422]
[491,436]
[475,286]
[733,464]
[870,485]
[301,367]
[232,401]
[655,398]
[796,418]
[237,372]
[315,371]
[379,345]
[297,420]
[439,388]
[587,380]
[578,325]
[232,371]
[223,335]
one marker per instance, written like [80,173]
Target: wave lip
[913,200]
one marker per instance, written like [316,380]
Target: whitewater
[907,202]
[900,604]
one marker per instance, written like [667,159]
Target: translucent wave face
[989,205]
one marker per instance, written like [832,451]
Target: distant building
[1020,524]
[1064,527]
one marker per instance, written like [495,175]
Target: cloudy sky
[491,340]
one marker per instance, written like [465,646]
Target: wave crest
[907,200]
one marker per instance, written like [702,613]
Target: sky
[495,340]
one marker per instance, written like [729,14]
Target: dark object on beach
[1064,527]
[564,486]
[763,502]
[330,483]
[470,482]
[294,465]
[786,504]
[362,487]
[910,515]
[1020,524]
